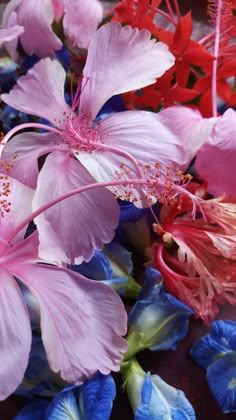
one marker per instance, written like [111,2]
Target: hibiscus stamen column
[152,186]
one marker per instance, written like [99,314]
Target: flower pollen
[5,190]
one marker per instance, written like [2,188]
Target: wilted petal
[41,92]
[87,220]
[81,320]
[216,160]
[81,20]
[23,151]
[123,67]
[15,335]
[38,37]
[9,34]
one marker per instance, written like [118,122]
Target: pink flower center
[81,135]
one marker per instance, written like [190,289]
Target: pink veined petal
[17,207]
[41,92]
[9,20]
[141,134]
[9,34]
[38,38]
[192,129]
[81,320]
[81,20]
[58,6]
[71,230]
[15,335]
[23,151]
[216,161]
[116,64]
[24,251]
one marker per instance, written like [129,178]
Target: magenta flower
[81,320]
[126,139]
[80,22]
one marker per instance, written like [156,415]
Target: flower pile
[117,158]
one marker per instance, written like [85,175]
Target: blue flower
[11,117]
[39,380]
[153,399]
[113,266]
[8,74]
[216,352]
[92,401]
[158,320]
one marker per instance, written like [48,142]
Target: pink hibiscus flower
[216,160]
[197,257]
[127,139]
[80,22]
[213,142]
[81,320]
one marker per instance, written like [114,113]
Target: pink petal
[81,320]
[81,20]
[15,335]
[120,59]
[10,34]
[192,129]
[17,207]
[23,251]
[9,19]
[36,18]
[41,92]
[144,136]
[216,161]
[74,228]
[23,151]
[58,6]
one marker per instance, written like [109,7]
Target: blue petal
[11,117]
[114,104]
[35,410]
[221,377]
[98,396]
[130,213]
[151,406]
[120,256]
[216,344]
[65,406]
[98,268]
[152,284]
[180,406]
[160,317]
[64,57]
[222,331]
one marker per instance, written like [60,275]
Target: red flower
[187,52]
[197,258]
